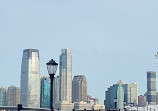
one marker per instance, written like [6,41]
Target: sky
[111,40]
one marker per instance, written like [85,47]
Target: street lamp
[115,101]
[132,104]
[137,107]
[51,67]
[124,102]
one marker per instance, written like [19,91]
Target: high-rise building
[156,98]
[145,99]
[3,96]
[112,93]
[30,79]
[120,97]
[13,96]
[56,89]
[45,92]
[79,89]
[141,101]
[151,87]
[129,92]
[65,76]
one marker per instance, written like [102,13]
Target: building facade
[151,87]
[120,97]
[79,89]
[156,98]
[141,101]
[45,92]
[56,89]
[111,93]
[13,96]
[30,79]
[3,96]
[65,75]
[129,92]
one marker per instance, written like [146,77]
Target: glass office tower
[3,96]
[45,92]
[30,79]
[120,97]
[123,92]
[65,76]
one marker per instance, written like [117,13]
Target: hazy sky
[110,39]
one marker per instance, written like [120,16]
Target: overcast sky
[110,39]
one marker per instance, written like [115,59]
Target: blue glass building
[45,92]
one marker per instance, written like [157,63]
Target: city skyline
[119,36]
[64,51]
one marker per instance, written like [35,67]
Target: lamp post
[124,102]
[137,107]
[115,101]
[51,67]
[132,104]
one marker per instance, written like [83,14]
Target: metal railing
[20,107]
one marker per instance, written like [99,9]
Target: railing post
[19,107]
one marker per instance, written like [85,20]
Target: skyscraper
[120,97]
[151,87]
[30,79]
[65,75]
[111,93]
[45,92]
[13,96]
[79,89]
[56,89]
[3,96]
[131,93]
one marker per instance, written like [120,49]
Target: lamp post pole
[51,91]
[137,107]
[124,102]
[132,104]
[51,67]
[115,101]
